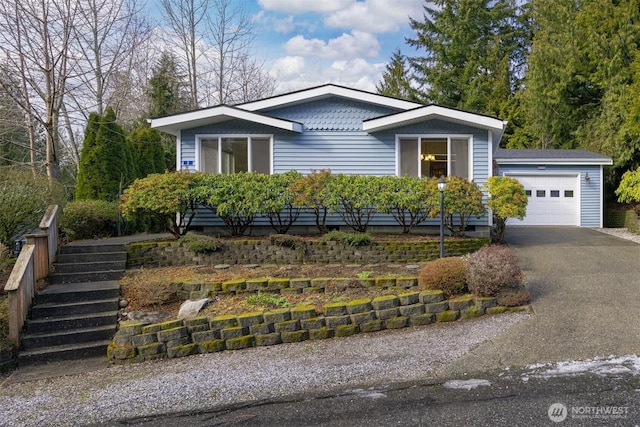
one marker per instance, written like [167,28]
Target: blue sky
[306,43]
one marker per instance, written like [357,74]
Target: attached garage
[564,187]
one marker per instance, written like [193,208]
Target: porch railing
[33,264]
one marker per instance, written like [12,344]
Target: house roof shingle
[503,155]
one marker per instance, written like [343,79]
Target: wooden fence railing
[33,264]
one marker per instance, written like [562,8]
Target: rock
[123,303]
[190,309]
[221,266]
[148,317]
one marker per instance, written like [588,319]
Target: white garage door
[553,200]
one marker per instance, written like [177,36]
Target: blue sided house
[355,132]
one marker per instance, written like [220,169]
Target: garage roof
[546,156]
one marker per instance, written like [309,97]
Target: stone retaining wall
[135,342]
[8,360]
[165,254]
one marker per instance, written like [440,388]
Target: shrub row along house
[354,132]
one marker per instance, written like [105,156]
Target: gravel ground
[233,377]
[620,232]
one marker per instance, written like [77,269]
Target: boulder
[190,309]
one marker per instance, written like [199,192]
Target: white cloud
[288,67]
[304,6]
[356,44]
[376,16]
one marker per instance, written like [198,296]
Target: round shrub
[445,274]
[491,269]
[87,219]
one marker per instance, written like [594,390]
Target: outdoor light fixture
[587,178]
[442,185]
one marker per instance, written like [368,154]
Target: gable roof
[554,156]
[327,91]
[432,112]
[173,124]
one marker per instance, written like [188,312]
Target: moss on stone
[312,290]
[408,298]
[422,319]
[472,312]
[437,307]
[241,342]
[261,329]
[346,330]
[387,313]
[250,318]
[278,283]
[144,339]
[320,282]
[461,303]
[300,312]
[268,339]
[485,302]
[172,334]
[233,332]
[130,327]
[385,282]
[257,284]
[157,327]
[335,321]
[448,316]
[358,306]
[287,326]
[232,286]
[396,322]
[407,282]
[358,318]
[411,310]
[211,346]
[224,321]
[385,301]
[294,336]
[372,326]
[182,350]
[431,296]
[312,323]
[300,283]
[496,310]
[152,350]
[334,309]
[276,316]
[121,352]
[321,333]
[205,336]
[201,320]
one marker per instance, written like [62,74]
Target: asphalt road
[503,398]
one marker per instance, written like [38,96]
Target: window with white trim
[428,156]
[231,154]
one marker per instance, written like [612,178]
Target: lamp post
[442,185]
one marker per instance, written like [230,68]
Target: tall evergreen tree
[146,146]
[168,90]
[470,53]
[397,79]
[106,162]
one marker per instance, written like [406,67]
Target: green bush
[491,269]
[88,219]
[5,344]
[287,241]
[351,239]
[267,300]
[445,274]
[199,243]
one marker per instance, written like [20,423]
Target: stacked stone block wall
[163,254]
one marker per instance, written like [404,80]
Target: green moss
[385,301]
[231,286]
[294,336]
[164,326]
[241,342]
[385,282]
[183,350]
[276,316]
[448,316]
[485,302]
[422,319]
[372,326]
[321,282]
[250,318]
[461,303]
[257,284]
[496,310]
[346,330]
[321,333]
[396,322]
[268,339]
[472,312]
[407,282]
[334,309]
[224,321]
[303,312]
[431,296]
[358,305]
[276,284]
[152,350]
[211,346]
[408,298]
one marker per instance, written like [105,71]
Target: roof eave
[539,161]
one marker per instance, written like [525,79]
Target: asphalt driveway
[585,288]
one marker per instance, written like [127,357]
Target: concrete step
[41,311]
[85,276]
[70,258]
[90,248]
[78,292]
[54,324]
[63,352]
[73,336]
[83,267]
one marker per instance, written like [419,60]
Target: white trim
[174,124]
[556,161]
[429,112]
[576,175]
[219,137]
[601,201]
[324,92]
[448,137]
